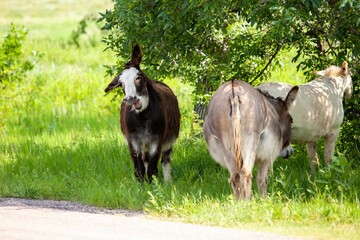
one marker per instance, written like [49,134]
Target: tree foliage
[208,42]
[205,42]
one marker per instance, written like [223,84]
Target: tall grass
[60,139]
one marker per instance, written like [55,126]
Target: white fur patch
[146,164]
[166,171]
[135,146]
[153,149]
[269,146]
[127,78]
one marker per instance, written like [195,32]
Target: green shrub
[336,180]
[14,64]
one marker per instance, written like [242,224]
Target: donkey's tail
[236,127]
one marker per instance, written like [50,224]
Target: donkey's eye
[138,79]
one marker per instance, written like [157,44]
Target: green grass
[60,139]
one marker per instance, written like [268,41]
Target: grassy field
[60,139]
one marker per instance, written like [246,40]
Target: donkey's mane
[269,96]
[334,71]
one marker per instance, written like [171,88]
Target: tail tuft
[236,126]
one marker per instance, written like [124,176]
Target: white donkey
[317,110]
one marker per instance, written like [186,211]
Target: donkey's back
[170,111]
[315,111]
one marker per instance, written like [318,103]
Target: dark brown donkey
[149,118]
[244,127]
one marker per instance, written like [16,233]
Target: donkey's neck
[338,84]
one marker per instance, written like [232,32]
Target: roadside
[47,219]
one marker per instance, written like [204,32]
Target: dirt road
[33,219]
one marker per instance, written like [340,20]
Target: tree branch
[268,64]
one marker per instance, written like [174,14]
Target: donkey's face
[285,123]
[133,82]
[285,120]
[134,86]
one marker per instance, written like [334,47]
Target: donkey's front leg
[153,160]
[313,156]
[330,142]
[139,167]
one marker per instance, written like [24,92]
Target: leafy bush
[13,63]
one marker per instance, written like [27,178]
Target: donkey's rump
[218,124]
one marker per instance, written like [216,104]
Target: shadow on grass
[97,170]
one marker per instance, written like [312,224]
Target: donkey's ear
[291,96]
[344,67]
[136,55]
[114,84]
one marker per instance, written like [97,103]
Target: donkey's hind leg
[262,177]
[245,183]
[330,142]
[241,184]
[313,156]
[248,160]
[165,162]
